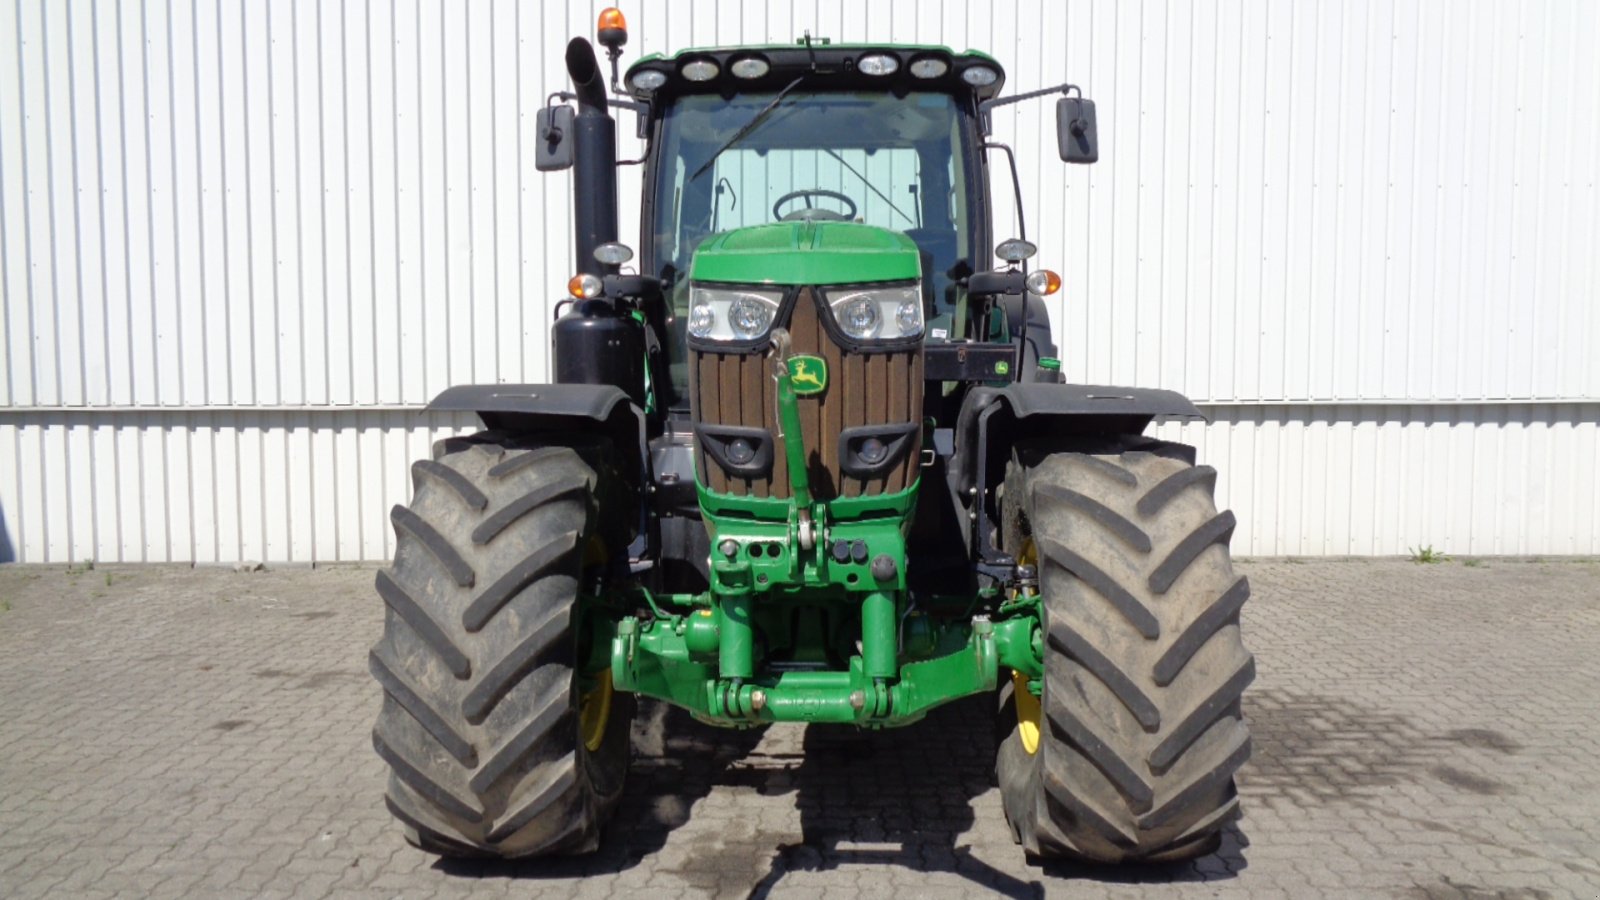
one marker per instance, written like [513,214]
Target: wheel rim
[594,712]
[1029,713]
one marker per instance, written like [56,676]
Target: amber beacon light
[613,28]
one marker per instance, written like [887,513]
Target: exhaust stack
[594,175]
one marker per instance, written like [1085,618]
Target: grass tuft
[1426,554]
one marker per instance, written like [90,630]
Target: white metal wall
[241,242]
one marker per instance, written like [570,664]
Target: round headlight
[909,317]
[740,452]
[700,70]
[878,64]
[980,76]
[859,319]
[648,79]
[749,317]
[702,318]
[929,68]
[749,67]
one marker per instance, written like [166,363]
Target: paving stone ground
[1420,731]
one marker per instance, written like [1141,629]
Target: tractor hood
[806,253]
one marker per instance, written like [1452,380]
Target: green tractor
[809,459]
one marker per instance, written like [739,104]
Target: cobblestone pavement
[1420,731]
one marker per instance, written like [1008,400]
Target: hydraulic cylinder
[878,639]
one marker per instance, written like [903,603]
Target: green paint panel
[807,253]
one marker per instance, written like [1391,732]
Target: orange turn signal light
[584,286]
[1043,282]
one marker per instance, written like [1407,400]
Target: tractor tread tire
[1141,729]
[478,724]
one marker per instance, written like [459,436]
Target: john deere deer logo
[808,374]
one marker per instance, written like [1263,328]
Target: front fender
[993,419]
[1000,414]
[565,408]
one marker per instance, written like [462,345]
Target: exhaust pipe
[594,173]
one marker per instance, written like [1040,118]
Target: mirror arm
[614,103]
[987,105]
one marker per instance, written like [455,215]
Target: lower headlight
[731,314]
[878,314]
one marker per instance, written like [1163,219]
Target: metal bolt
[758,700]
[729,547]
[857,700]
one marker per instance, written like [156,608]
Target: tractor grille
[864,389]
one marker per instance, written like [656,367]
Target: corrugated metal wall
[243,241]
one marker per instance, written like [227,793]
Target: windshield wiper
[748,127]
[870,186]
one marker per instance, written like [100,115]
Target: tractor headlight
[648,79]
[979,76]
[877,64]
[750,317]
[878,314]
[731,314]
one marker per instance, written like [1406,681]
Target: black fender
[599,409]
[993,419]
[602,409]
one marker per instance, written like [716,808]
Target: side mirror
[553,138]
[1075,130]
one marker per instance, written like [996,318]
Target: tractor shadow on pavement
[921,798]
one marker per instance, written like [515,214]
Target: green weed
[1427,554]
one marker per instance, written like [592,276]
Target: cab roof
[835,65]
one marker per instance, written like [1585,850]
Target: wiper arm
[870,186]
[748,127]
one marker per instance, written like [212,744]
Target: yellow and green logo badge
[808,374]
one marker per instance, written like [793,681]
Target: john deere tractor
[808,457]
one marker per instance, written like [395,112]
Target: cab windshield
[894,162]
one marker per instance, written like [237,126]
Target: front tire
[479,658]
[1140,731]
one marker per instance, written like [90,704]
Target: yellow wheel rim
[1029,713]
[594,712]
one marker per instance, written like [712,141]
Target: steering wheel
[812,213]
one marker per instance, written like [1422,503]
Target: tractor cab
[765,163]
[783,139]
